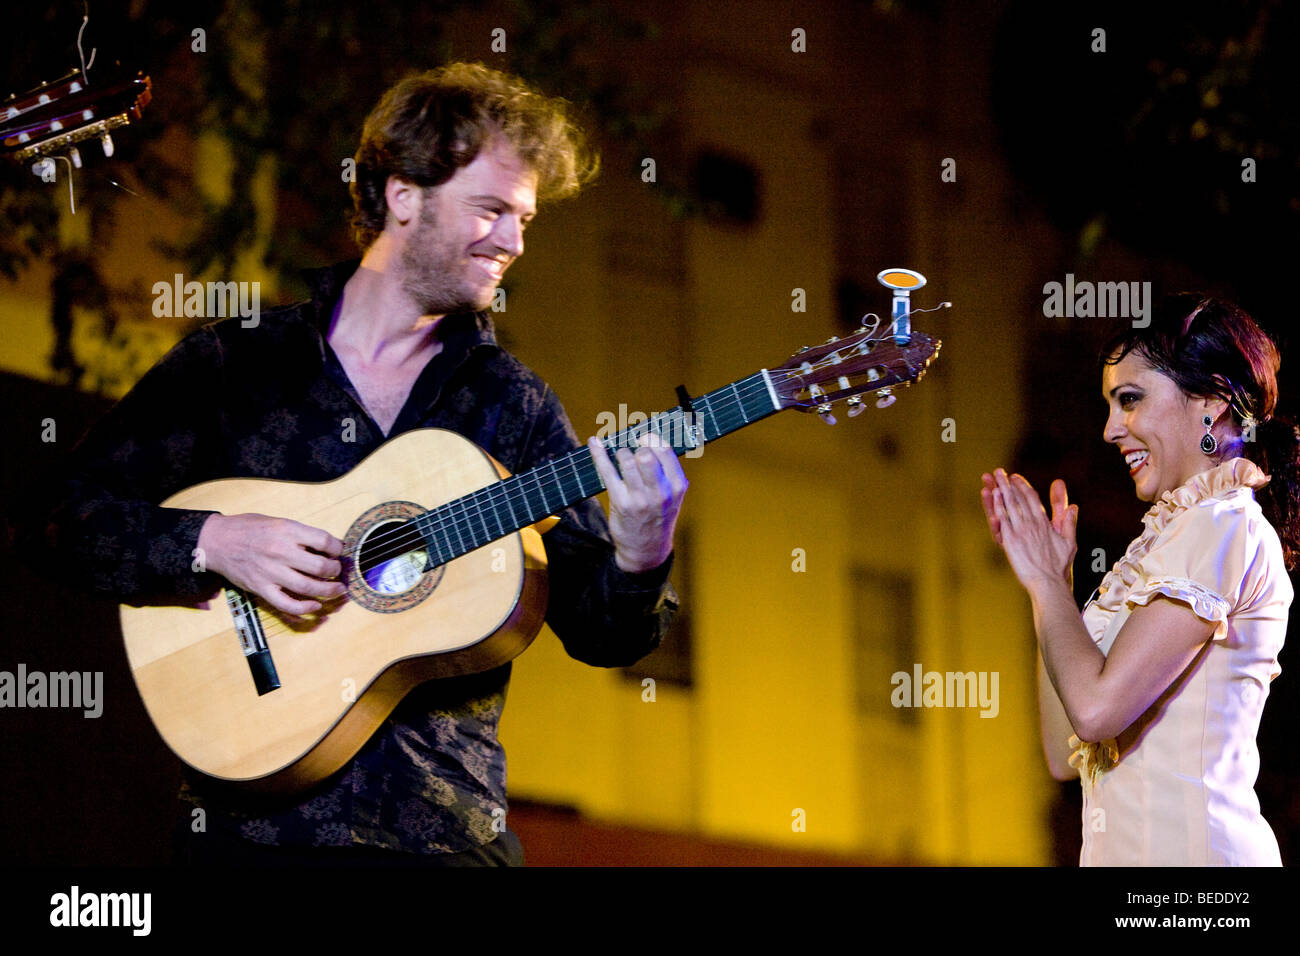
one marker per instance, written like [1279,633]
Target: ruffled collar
[1214,483]
[1217,481]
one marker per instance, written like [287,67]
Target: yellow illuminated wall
[771,727]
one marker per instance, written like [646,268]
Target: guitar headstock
[870,360]
[56,116]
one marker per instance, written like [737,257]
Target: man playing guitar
[448,173]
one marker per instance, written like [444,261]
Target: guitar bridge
[252,638]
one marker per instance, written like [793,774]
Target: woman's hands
[1038,549]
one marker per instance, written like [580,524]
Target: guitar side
[342,671]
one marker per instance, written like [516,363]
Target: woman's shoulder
[1231,516]
[1226,543]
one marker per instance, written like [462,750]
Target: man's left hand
[643,503]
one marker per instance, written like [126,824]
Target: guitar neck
[483,516]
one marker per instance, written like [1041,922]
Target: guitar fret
[489,499]
[465,527]
[490,510]
[717,430]
[670,428]
[540,508]
[486,512]
[550,476]
[460,541]
[446,538]
[426,527]
[582,466]
[771,390]
[573,475]
[505,495]
[525,501]
[448,529]
[740,403]
[478,513]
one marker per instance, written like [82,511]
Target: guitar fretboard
[481,517]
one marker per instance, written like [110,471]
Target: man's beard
[429,266]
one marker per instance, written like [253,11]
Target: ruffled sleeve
[1204,559]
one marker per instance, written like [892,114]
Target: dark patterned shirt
[273,401]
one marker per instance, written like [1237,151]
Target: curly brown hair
[428,125]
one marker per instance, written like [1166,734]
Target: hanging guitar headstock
[54,117]
[869,360]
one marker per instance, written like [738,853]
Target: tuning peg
[824,411]
[855,406]
[107,142]
[75,157]
[886,399]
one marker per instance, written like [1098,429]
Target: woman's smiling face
[1157,428]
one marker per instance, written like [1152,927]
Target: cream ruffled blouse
[1128,582]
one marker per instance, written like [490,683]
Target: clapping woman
[1153,695]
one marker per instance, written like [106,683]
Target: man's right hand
[281,561]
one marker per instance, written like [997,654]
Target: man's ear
[403,199]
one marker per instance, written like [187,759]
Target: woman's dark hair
[1211,348]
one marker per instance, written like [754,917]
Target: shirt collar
[459,331]
[1212,483]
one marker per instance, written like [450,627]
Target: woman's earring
[1209,444]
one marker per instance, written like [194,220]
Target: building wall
[773,724]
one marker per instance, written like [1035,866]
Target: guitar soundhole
[384,571]
[387,572]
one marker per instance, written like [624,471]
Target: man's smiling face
[470,229]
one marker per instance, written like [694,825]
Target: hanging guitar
[51,119]
[444,567]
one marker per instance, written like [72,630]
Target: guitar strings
[405,538]
[80,51]
[486,502]
[479,500]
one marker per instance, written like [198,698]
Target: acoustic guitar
[444,568]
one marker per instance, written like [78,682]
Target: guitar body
[340,672]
